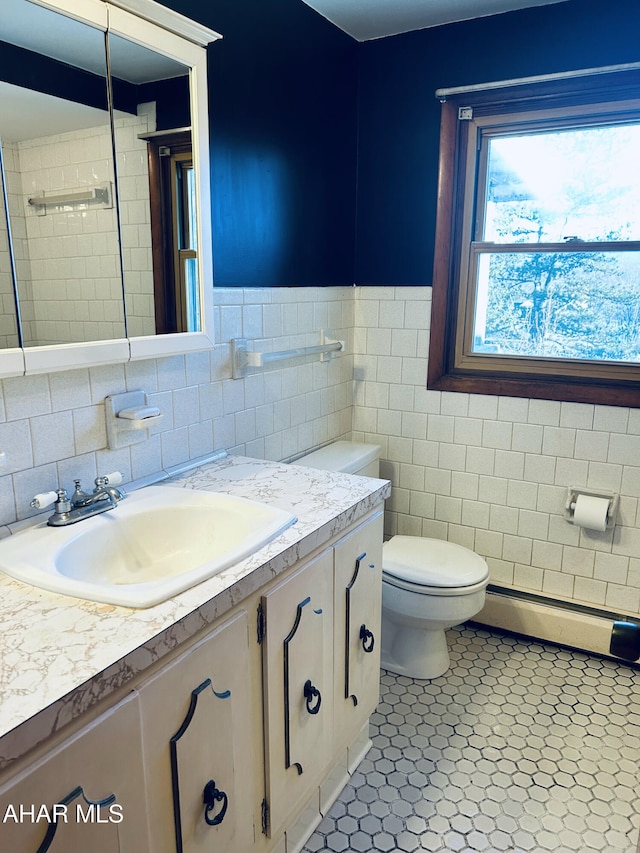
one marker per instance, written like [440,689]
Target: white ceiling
[372,19]
[25,114]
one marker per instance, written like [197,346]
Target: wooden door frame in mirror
[162,149]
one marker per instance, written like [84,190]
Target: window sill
[537,387]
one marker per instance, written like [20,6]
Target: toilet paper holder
[572,496]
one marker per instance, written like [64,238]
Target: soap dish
[129,418]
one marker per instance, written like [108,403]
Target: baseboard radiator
[561,622]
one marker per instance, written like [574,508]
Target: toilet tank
[346,456]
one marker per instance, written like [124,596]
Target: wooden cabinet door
[198,746]
[358,595]
[92,788]
[298,686]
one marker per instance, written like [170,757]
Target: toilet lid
[432,562]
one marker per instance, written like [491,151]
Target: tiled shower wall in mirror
[66,255]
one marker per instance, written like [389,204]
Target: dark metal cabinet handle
[311,693]
[210,797]
[368,640]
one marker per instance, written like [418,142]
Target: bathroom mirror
[56,136]
[85,240]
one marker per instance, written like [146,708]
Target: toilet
[428,585]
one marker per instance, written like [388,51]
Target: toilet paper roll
[591,512]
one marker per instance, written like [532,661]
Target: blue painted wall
[399,116]
[296,104]
[283,143]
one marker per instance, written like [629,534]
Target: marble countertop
[61,655]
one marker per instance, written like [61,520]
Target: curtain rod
[442,94]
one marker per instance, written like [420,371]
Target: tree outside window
[537,274]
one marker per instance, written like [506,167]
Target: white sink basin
[158,542]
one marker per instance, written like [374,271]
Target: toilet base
[414,652]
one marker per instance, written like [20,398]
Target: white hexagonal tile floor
[521,747]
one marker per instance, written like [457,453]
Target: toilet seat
[432,566]
[421,589]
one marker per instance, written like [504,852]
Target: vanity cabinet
[239,741]
[199,755]
[321,673]
[86,794]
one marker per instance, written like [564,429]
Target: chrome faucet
[81,505]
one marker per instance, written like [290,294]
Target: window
[536,288]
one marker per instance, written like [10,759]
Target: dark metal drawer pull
[210,797]
[311,693]
[368,640]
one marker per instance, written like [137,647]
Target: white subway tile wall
[488,472]
[52,426]
[492,473]
[135,218]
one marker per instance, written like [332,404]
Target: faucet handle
[43,499]
[112,479]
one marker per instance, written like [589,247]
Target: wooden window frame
[449,369]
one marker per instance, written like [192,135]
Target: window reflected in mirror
[173,217]
[156,189]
